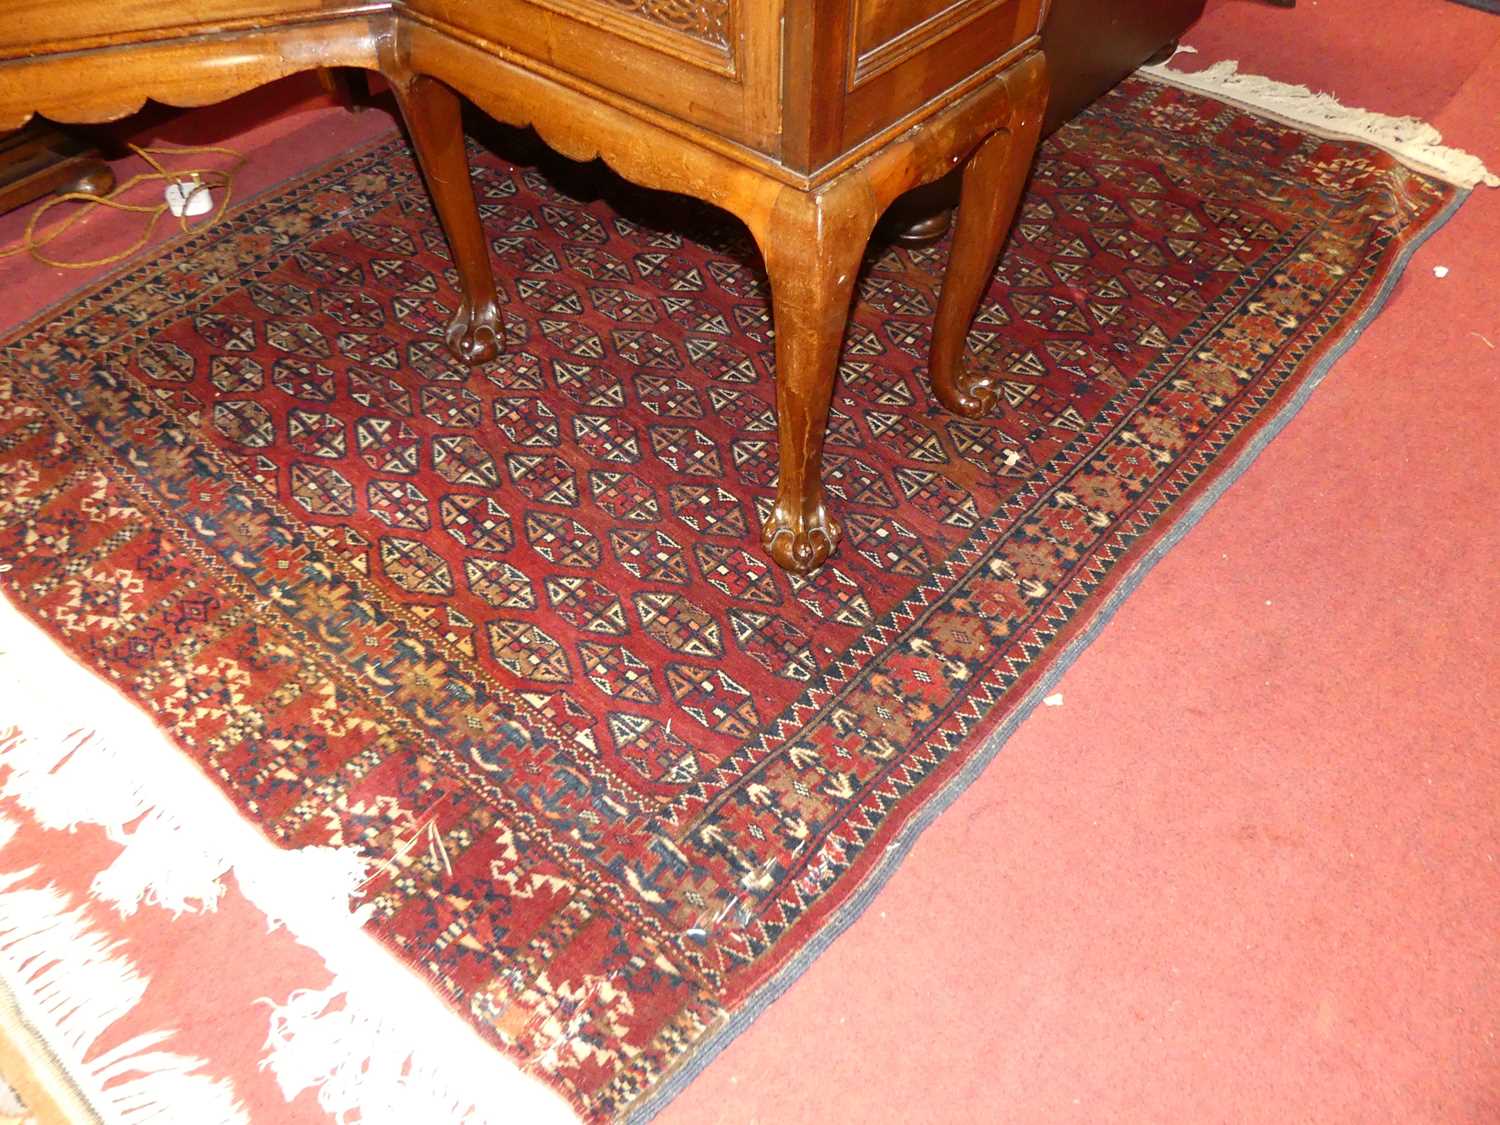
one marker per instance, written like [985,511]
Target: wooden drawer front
[709,62]
[904,53]
[880,25]
[30,27]
[887,33]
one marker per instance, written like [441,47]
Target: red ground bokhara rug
[369,590]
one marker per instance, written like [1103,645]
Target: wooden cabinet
[700,62]
[806,118]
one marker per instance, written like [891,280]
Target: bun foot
[475,334]
[800,542]
[926,231]
[93,177]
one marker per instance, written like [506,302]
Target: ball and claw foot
[973,396]
[476,333]
[798,542]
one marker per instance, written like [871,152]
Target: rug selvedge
[598,918]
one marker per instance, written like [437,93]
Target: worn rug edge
[379,1041]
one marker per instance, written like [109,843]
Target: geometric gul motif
[738,573]
[244,422]
[322,490]
[679,624]
[617,672]
[714,698]
[709,509]
[498,583]
[398,504]
[686,449]
[236,374]
[606,438]
[773,642]
[303,379]
[528,651]
[586,605]
[478,522]
[561,540]
[459,459]
[545,479]
[415,567]
[624,496]
[833,596]
[888,544]
[388,445]
[650,555]
[652,750]
[317,433]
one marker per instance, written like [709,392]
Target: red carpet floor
[1270,890]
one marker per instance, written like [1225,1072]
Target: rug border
[1207,493]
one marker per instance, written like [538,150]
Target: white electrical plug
[189,197]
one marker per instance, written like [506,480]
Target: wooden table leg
[992,183]
[813,243]
[432,115]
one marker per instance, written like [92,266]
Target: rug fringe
[378,1043]
[71,984]
[319,1039]
[1410,140]
[66,777]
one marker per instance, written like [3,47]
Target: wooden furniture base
[879,97]
[40,160]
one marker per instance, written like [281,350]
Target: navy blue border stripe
[895,852]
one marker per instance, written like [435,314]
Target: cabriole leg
[992,183]
[813,243]
[432,114]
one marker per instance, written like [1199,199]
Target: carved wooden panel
[707,20]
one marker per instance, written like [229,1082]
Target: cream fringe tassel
[71,984]
[378,1043]
[1410,140]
